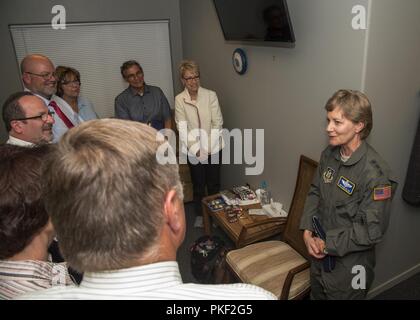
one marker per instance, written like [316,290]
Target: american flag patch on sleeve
[382,193]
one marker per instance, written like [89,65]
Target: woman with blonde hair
[197,110]
[349,203]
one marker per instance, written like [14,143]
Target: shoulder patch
[328,175]
[382,193]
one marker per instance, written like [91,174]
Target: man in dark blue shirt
[142,102]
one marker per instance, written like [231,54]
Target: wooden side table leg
[206,220]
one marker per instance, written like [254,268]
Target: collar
[144,278]
[34,270]
[356,155]
[19,142]
[134,92]
[187,97]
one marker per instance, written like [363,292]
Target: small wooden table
[247,229]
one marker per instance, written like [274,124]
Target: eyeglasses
[72,83]
[45,76]
[192,78]
[134,75]
[43,117]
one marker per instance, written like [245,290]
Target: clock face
[239,61]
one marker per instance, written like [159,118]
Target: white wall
[285,90]
[393,84]
[32,12]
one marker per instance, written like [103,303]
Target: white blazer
[202,114]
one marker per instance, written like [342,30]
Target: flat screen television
[260,22]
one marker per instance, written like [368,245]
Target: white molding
[366,47]
[393,281]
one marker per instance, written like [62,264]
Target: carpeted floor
[192,234]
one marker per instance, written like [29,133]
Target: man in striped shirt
[25,228]
[120,217]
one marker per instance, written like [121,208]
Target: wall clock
[239,61]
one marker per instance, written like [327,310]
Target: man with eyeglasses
[140,101]
[38,76]
[29,123]
[27,119]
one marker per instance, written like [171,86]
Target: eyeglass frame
[78,82]
[45,115]
[192,78]
[131,77]
[44,76]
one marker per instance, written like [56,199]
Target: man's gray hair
[105,192]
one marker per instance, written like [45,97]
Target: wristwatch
[325,251]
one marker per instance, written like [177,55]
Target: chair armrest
[289,278]
[265,221]
[274,222]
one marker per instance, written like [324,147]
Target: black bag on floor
[207,259]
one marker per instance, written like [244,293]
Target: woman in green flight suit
[351,196]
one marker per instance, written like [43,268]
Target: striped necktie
[61,114]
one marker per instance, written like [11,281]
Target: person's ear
[26,78]
[173,211]
[16,126]
[360,126]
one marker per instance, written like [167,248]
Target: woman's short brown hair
[355,106]
[62,74]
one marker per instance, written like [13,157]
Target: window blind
[97,50]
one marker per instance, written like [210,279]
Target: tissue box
[275,210]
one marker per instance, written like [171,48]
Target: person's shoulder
[82,101]
[260,293]
[208,91]
[235,291]
[57,99]
[180,96]
[55,293]
[152,88]
[377,169]
[122,94]
[372,154]
[375,161]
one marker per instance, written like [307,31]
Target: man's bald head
[32,60]
[38,75]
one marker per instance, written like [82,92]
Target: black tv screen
[256,21]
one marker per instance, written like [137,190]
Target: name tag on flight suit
[346,185]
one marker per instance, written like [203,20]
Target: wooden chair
[281,267]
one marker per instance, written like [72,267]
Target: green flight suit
[352,199]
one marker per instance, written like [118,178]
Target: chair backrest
[292,235]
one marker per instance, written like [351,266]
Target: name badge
[346,185]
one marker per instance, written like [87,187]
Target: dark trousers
[337,285]
[205,175]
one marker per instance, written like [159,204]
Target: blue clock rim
[243,58]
